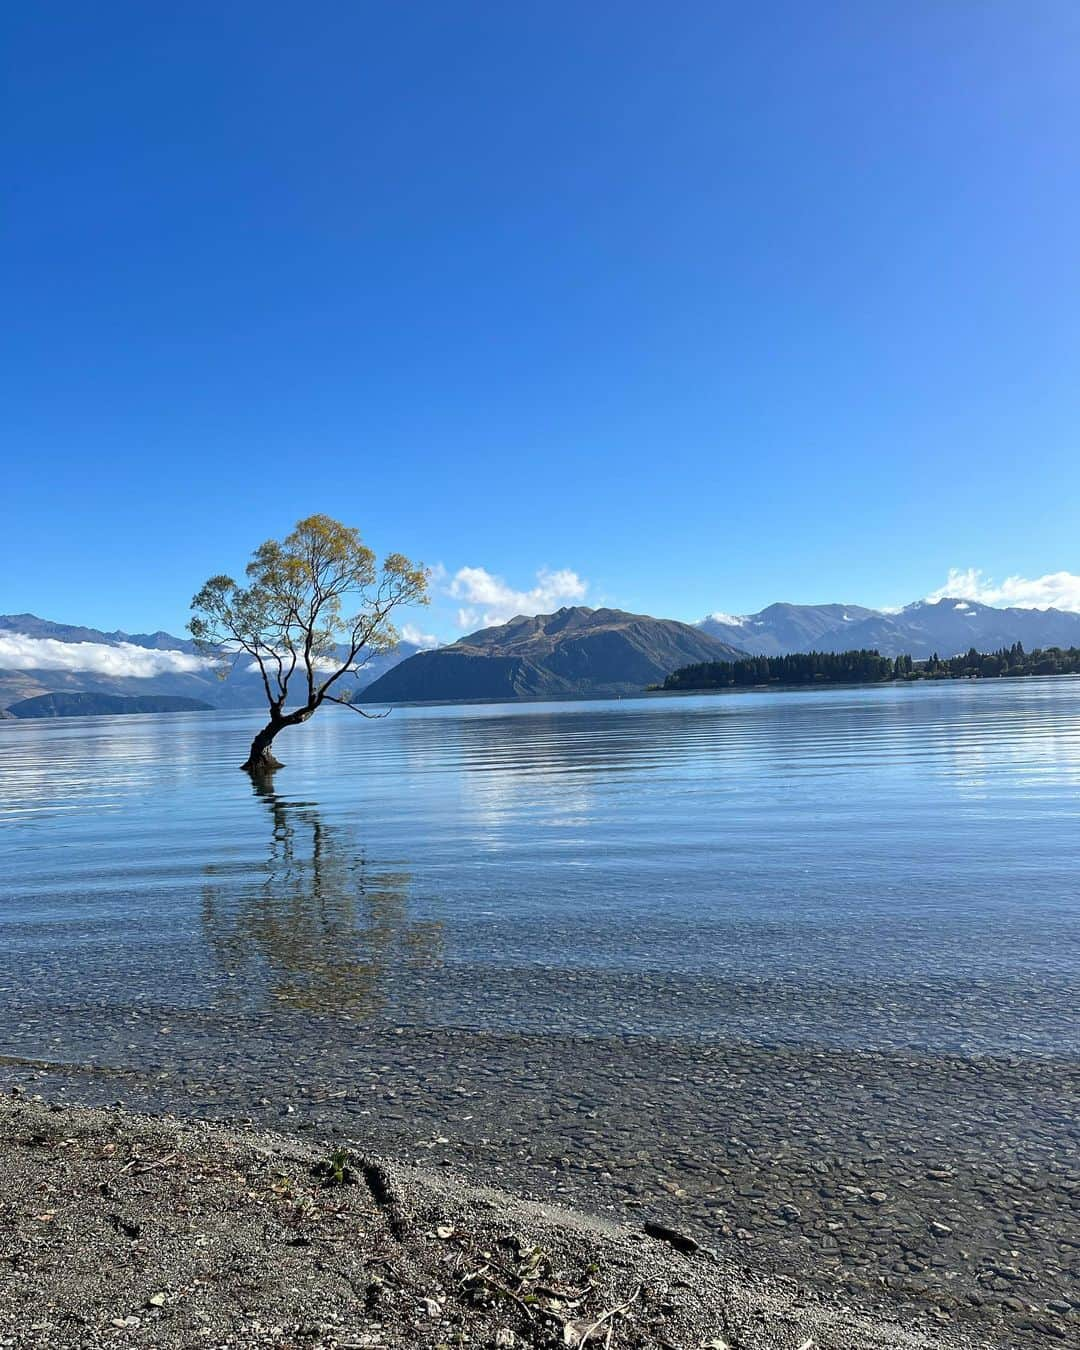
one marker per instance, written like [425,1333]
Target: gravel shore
[122,1230]
[946,1184]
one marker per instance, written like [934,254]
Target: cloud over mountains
[411,633]
[1055,590]
[124,659]
[490,600]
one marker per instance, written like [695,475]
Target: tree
[316,608]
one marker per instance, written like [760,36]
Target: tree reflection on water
[313,927]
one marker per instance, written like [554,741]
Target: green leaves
[315,602]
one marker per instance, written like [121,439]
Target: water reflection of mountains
[587,741]
[312,926]
[764,729]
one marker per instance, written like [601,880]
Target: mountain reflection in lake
[312,926]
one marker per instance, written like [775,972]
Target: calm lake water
[742,961]
[873,867]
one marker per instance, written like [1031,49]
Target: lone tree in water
[316,608]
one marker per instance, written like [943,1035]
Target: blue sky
[708,304]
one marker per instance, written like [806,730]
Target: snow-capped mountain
[946,626]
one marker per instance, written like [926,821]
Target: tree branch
[289,615]
[344,703]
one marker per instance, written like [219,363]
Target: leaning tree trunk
[261,760]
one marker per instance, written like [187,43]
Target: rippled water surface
[879,867]
[799,972]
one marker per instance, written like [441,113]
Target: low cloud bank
[19,652]
[1055,590]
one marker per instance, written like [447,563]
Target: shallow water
[880,867]
[705,945]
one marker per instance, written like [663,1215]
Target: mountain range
[574,652]
[948,627]
[76,659]
[102,705]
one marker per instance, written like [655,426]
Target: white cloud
[1057,590]
[410,633]
[19,652]
[323,663]
[737,620]
[496,601]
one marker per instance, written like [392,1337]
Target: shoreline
[650,692]
[946,1186]
[657,691]
[830,1041]
[127,1230]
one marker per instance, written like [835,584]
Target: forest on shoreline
[870,667]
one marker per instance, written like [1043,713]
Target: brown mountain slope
[573,652]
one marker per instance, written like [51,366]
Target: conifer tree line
[870,667]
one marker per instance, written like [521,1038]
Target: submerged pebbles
[951,1182]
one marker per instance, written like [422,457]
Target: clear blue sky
[714,304]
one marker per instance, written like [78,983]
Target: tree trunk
[261,760]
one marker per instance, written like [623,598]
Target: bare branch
[345,703]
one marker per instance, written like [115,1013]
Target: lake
[743,960]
